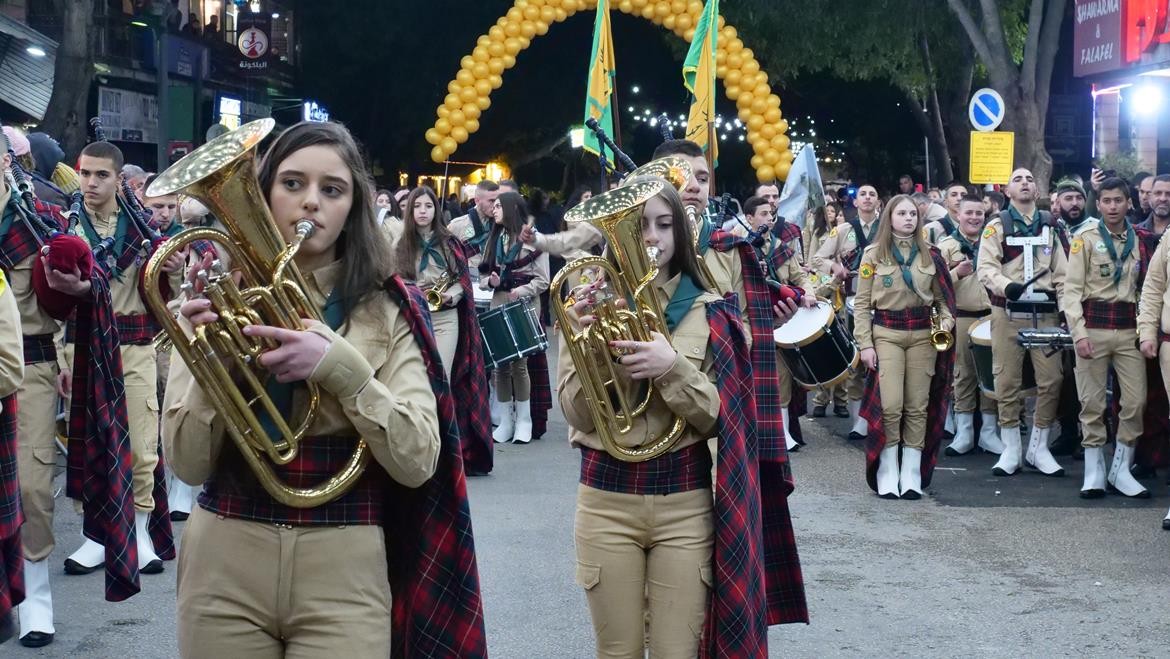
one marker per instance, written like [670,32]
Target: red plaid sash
[908,319]
[39,348]
[683,470]
[18,243]
[997,301]
[1109,315]
[137,329]
[11,556]
[469,378]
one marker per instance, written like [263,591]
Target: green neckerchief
[772,239]
[680,303]
[429,249]
[1119,263]
[706,228]
[174,229]
[904,264]
[1018,222]
[9,218]
[94,238]
[281,393]
[506,258]
[973,247]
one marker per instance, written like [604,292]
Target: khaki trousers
[634,549]
[140,369]
[786,382]
[966,390]
[446,324]
[827,395]
[1164,364]
[1117,348]
[905,367]
[1008,370]
[512,381]
[262,591]
[36,456]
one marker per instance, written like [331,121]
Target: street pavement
[984,566]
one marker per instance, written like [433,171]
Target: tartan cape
[11,517]
[936,407]
[18,243]
[798,404]
[437,609]
[469,379]
[99,471]
[1153,446]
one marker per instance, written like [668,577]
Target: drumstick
[1033,280]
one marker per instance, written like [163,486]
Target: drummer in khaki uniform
[1100,305]
[1001,271]
[1154,318]
[473,228]
[960,250]
[840,256]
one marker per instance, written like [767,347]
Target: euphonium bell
[940,339]
[271,292]
[629,273]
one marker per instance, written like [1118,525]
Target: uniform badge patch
[1100,247]
[866,271]
[989,232]
[1076,246]
[833,233]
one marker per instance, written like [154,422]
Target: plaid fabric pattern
[158,525]
[99,469]
[510,278]
[908,319]
[1109,315]
[18,243]
[790,232]
[39,348]
[11,517]
[137,329]
[997,301]
[469,378]
[936,409]
[235,492]
[437,609]
[11,574]
[204,247]
[1153,445]
[541,400]
[765,375]
[678,471]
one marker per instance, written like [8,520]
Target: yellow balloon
[531,13]
[471,111]
[480,70]
[483,103]
[496,82]
[443,111]
[734,60]
[759,104]
[560,15]
[459,133]
[433,136]
[496,32]
[648,12]
[747,54]
[762,90]
[472,125]
[452,101]
[454,87]
[786,156]
[495,66]
[456,119]
[732,91]
[759,144]
[468,95]
[678,7]
[782,126]
[443,126]
[668,22]
[781,142]
[689,35]
[721,22]
[528,29]
[497,49]
[754,122]
[509,61]
[483,87]
[481,54]
[773,100]
[449,144]
[548,14]
[772,115]
[765,174]
[745,100]
[524,41]
[782,170]
[512,29]
[721,71]
[757,161]
[465,77]
[768,131]
[694,7]
[748,80]
[683,22]
[662,10]
[721,56]
[438,154]
[743,113]
[467,61]
[483,40]
[733,77]
[771,156]
[727,33]
[750,66]
[541,28]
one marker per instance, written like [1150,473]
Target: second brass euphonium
[629,273]
[272,292]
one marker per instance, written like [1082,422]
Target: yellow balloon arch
[469,93]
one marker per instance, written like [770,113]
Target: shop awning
[26,70]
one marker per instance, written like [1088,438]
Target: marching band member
[428,254]
[514,270]
[903,281]
[946,225]
[790,233]
[474,227]
[164,210]
[1001,270]
[103,216]
[1154,316]
[13,570]
[960,250]
[816,228]
[695,562]
[840,256]
[363,574]
[1100,305]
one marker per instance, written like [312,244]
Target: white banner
[128,116]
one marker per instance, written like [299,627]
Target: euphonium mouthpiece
[305,228]
[653,252]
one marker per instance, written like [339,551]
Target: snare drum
[816,347]
[980,335]
[483,299]
[510,332]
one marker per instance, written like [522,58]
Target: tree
[65,116]
[1025,81]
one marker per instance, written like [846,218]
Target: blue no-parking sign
[986,109]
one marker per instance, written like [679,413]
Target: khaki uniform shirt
[124,291]
[1154,310]
[687,390]
[841,240]
[1090,275]
[572,244]
[462,228]
[969,292]
[373,384]
[429,277]
[11,341]
[996,275]
[874,293]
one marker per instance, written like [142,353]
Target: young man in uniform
[1001,270]
[840,256]
[952,197]
[474,227]
[1100,305]
[1154,316]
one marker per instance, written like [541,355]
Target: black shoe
[1166,525]
[179,516]
[36,639]
[952,452]
[153,567]
[794,449]
[74,568]
[1092,494]
[855,436]
[841,411]
[1143,471]
[912,495]
[818,411]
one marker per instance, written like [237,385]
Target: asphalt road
[984,566]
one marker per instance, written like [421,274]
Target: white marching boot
[1039,457]
[148,561]
[860,425]
[964,441]
[497,409]
[1120,477]
[36,611]
[507,425]
[950,423]
[989,434]
[180,496]
[1094,483]
[523,430]
[887,473]
[911,478]
[89,557]
[1166,521]
[789,442]
[1009,460]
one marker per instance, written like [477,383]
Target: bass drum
[816,347]
[980,342]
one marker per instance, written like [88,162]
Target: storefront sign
[1097,36]
[311,111]
[128,116]
[254,43]
[992,155]
[230,111]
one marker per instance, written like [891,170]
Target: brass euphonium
[940,339]
[434,294]
[271,292]
[629,273]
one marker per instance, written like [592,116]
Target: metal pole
[926,145]
[163,104]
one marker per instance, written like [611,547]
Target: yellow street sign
[992,156]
